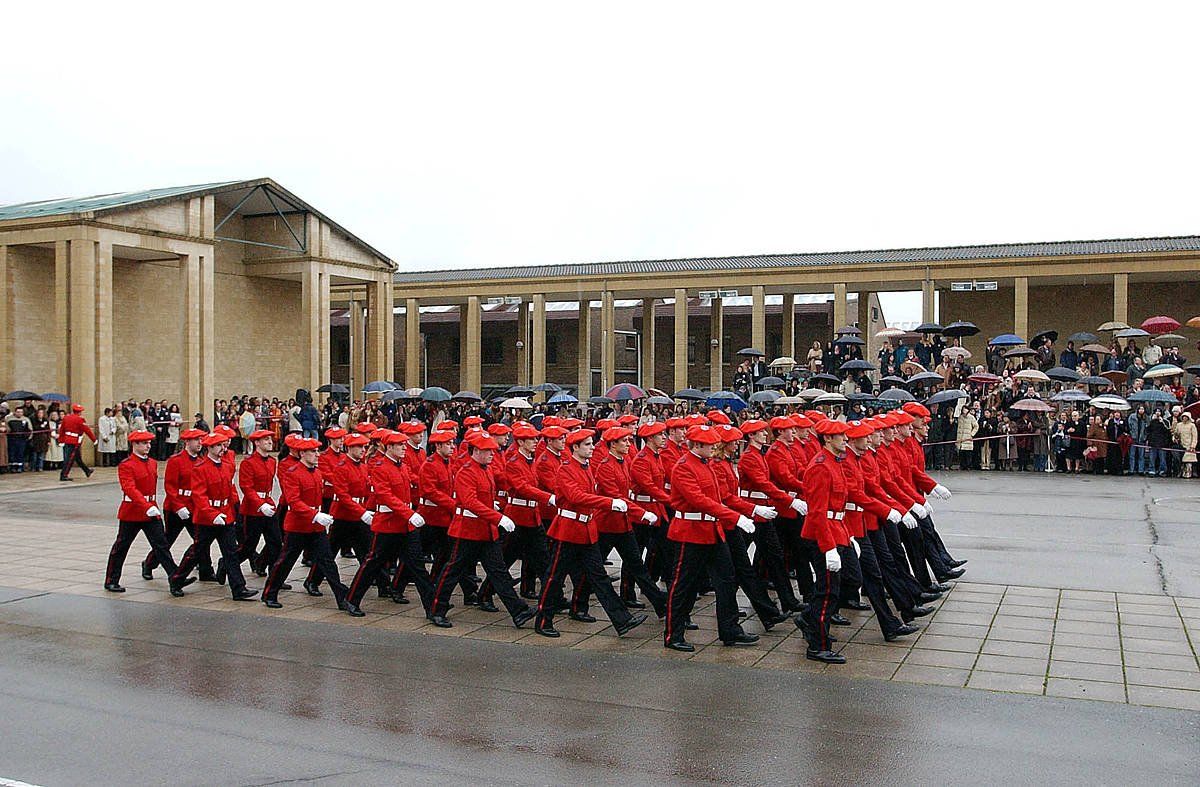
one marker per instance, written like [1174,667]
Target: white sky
[491,134]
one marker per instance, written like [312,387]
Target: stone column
[839,305]
[648,343]
[1021,307]
[189,286]
[681,338]
[538,340]
[716,331]
[864,324]
[6,311]
[789,326]
[412,343]
[758,318]
[358,348]
[104,325]
[585,349]
[62,315]
[208,323]
[81,365]
[379,318]
[389,327]
[608,342]
[523,343]
[1121,297]
[471,332]
[310,297]
[928,302]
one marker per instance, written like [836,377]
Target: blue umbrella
[378,386]
[625,392]
[723,399]
[1007,340]
[562,397]
[436,394]
[55,397]
[1153,395]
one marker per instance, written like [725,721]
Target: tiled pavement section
[1114,647]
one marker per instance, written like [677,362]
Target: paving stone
[863,668]
[1082,627]
[1111,673]
[1087,655]
[1164,698]
[1175,634]
[1087,614]
[967,618]
[941,658]
[1027,649]
[1170,647]
[934,642]
[1029,623]
[942,676]
[1085,689]
[1001,681]
[1020,635]
[1093,605]
[1103,641]
[1138,658]
[1171,679]
[1013,664]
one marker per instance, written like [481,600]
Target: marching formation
[803,514]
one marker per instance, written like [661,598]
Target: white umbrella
[414,391]
[889,333]
[1110,402]
[810,393]
[784,400]
[782,361]
[829,398]
[1162,370]
[516,403]
[1032,374]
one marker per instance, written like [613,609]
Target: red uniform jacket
[72,428]
[256,477]
[894,475]
[727,483]
[436,503]
[825,486]
[612,480]
[139,486]
[671,454]
[920,479]
[328,462]
[212,492]
[870,474]
[755,484]
[647,481]
[302,487]
[177,481]
[389,497]
[287,462]
[578,504]
[786,471]
[351,487]
[545,468]
[700,516]
[414,459]
[475,514]
[863,510]
[524,495]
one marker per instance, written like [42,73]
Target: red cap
[801,421]
[194,434]
[140,436]
[366,427]
[381,435]
[498,430]
[580,435]
[717,417]
[677,423]
[859,429]
[289,439]
[704,434]
[829,426]
[729,433]
[551,420]
[446,425]
[472,420]
[605,423]
[781,422]
[258,435]
[615,433]
[212,438]
[887,420]
[696,419]
[334,433]
[525,432]
[225,431]
[815,415]
[356,439]
[443,436]
[411,428]
[649,430]
[571,423]
[627,419]
[391,438]
[481,441]
[902,417]
[755,425]
[916,409]
[308,444]
[554,432]
[77,408]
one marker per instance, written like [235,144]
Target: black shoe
[306,562]
[285,586]
[88,474]
[741,639]
[221,572]
[113,587]
[471,600]
[384,592]
[792,609]
[347,553]
[856,604]
[398,598]
[938,587]
[441,622]
[953,573]
[353,610]
[680,645]
[633,603]
[742,615]
[903,631]
[582,617]
[957,563]
[547,631]
[920,612]
[827,656]
[146,573]
[523,617]
[773,621]
[272,603]
[839,620]
[633,623]
[245,594]
[208,575]
[688,625]
[260,571]
[488,606]
[529,595]
[311,589]
[927,597]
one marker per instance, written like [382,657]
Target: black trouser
[695,563]
[254,527]
[904,589]
[439,544]
[226,538]
[660,556]
[935,548]
[631,561]
[384,549]
[824,599]
[464,554]
[71,457]
[914,550]
[316,545]
[646,536]
[851,575]
[872,585]
[346,533]
[585,562]
[747,577]
[769,553]
[527,544]
[126,532]
[791,541]
[175,526]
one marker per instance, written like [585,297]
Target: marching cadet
[414,457]
[574,538]
[139,512]
[674,447]
[393,523]
[71,431]
[177,484]
[786,472]
[330,458]
[501,434]
[698,534]
[823,533]
[256,479]
[474,533]
[755,484]
[437,507]
[351,527]
[913,435]
[545,469]
[304,526]
[647,478]
[213,499]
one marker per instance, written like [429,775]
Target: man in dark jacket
[1158,437]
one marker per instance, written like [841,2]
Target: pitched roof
[813,259]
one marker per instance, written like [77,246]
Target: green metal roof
[61,207]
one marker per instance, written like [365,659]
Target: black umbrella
[1037,339]
[436,394]
[928,327]
[663,400]
[690,393]
[1063,374]
[898,395]
[848,340]
[764,397]
[599,400]
[960,328]
[925,377]
[1093,380]
[941,397]
[856,366]
[547,387]
[859,396]
[848,329]
[892,379]
[467,396]
[823,377]
[398,394]
[15,395]
[1194,369]
[519,390]
[770,382]
[334,388]
[1083,337]
[751,352]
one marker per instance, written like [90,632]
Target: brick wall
[34,339]
[258,336]
[147,330]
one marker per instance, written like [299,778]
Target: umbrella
[58,397]
[830,398]
[379,386]
[770,382]
[848,339]
[764,397]
[625,392]
[751,352]
[1020,352]
[396,395]
[1160,324]
[1032,374]
[782,361]
[1153,395]
[845,329]
[1071,395]
[519,390]
[911,367]
[808,394]
[1110,402]
[824,378]
[1193,323]
[1083,337]
[599,400]
[16,395]
[893,380]
[723,399]
[959,353]
[1194,369]
[1162,370]
[1116,376]
[960,328]
[860,396]
[516,403]
[1093,348]
[890,333]
[1031,406]
[466,396]
[1063,374]
[924,377]
[690,393]
[547,388]
[928,327]
[856,366]
[437,394]
[1093,380]
[562,397]
[786,400]
[1041,336]
[663,400]
[414,392]
[1167,339]
[897,394]
[335,388]
[949,395]
[1132,333]
[1113,325]
[984,378]
[1007,340]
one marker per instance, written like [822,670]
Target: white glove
[220,520]
[800,507]
[942,492]
[857,548]
[765,512]
[909,521]
[745,524]
[416,520]
[553,501]
[928,508]
[153,512]
[894,516]
[507,525]
[183,514]
[266,509]
[918,510]
[324,520]
[650,517]
[367,517]
[619,505]
[833,561]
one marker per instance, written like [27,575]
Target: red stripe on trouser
[358,576]
[549,578]
[445,573]
[824,609]
[671,593]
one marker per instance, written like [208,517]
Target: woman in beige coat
[1185,435]
[968,425]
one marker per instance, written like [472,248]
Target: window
[339,351]
[691,349]
[551,349]
[774,346]
[492,350]
[455,349]
[727,349]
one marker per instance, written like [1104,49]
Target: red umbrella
[984,378]
[1160,324]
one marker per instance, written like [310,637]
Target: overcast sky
[456,135]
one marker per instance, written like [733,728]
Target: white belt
[516,501]
[752,494]
[697,516]
[71,434]
[185,493]
[853,507]
[218,503]
[838,515]
[643,498]
[383,510]
[667,486]
[425,501]
[128,499]
[466,513]
[502,494]
[583,518]
[359,500]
